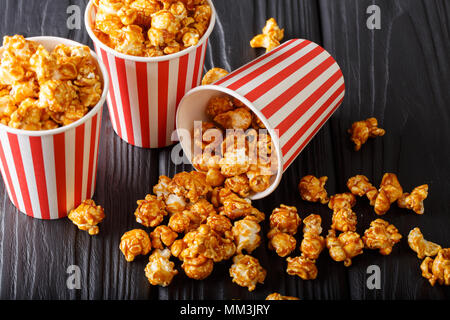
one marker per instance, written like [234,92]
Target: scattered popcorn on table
[277,296]
[342,200]
[213,75]
[44,90]
[283,243]
[86,216]
[381,235]
[133,243]
[247,272]
[246,234]
[344,219]
[160,270]
[363,130]
[270,37]
[151,28]
[285,219]
[313,189]
[162,236]
[437,269]
[414,200]
[313,243]
[422,247]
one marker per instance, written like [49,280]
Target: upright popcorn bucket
[47,173]
[293,89]
[145,91]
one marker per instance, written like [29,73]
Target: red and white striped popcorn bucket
[293,89]
[145,91]
[47,173]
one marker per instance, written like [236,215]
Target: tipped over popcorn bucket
[145,91]
[293,89]
[47,173]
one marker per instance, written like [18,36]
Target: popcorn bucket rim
[172,56]
[40,133]
[276,182]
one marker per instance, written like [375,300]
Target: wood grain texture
[399,74]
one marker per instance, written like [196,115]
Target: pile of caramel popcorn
[234,148]
[41,90]
[151,28]
[199,224]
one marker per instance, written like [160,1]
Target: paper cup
[145,92]
[293,89]
[47,173]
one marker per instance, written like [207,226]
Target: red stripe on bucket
[15,150]
[125,95]
[163,90]
[39,171]
[142,87]
[60,172]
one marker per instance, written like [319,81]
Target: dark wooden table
[399,74]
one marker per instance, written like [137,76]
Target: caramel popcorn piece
[437,269]
[246,235]
[414,200]
[175,204]
[134,243]
[283,243]
[422,247]
[342,200]
[160,270]
[247,272]
[345,247]
[218,105]
[390,191]
[214,75]
[381,235]
[190,185]
[238,184]
[270,37]
[219,223]
[239,118]
[86,216]
[363,130]
[198,268]
[235,207]
[150,211]
[277,296]
[313,189]
[344,219]
[162,236]
[303,267]
[359,185]
[161,188]
[285,219]
[312,243]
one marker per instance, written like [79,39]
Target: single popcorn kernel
[342,200]
[239,118]
[437,269]
[247,272]
[422,247]
[162,236]
[277,296]
[363,130]
[214,75]
[87,215]
[270,37]
[344,219]
[150,211]
[197,268]
[285,219]
[312,243]
[160,270]
[133,243]
[283,243]
[381,235]
[390,191]
[414,200]
[218,105]
[246,235]
[313,189]
[345,247]
[359,185]
[303,267]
